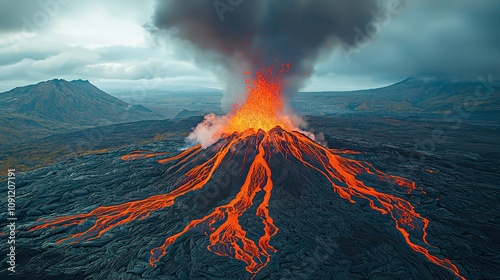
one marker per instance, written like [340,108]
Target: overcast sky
[106,42]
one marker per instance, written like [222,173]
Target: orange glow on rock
[141,154]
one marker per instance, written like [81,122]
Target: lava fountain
[263,107]
[259,129]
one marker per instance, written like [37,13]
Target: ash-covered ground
[321,235]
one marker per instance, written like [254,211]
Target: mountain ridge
[57,106]
[412,95]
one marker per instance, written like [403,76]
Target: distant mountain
[188,114]
[60,106]
[413,95]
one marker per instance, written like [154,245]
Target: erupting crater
[263,107]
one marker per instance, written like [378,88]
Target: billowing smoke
[263,33]
[246,35]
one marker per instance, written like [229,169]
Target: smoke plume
[246,35]
[261,33]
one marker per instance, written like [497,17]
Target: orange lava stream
[141,154]
[344,152]
[108,217]
[183,155]
[226,238]
[342,174]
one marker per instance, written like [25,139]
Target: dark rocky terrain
[321,236]
[53,149]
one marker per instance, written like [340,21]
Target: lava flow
[258,131]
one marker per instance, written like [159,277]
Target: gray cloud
[13,12]
[446,39]
[13,58]
[29,16]
[119,62]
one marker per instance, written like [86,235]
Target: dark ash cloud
[268,33]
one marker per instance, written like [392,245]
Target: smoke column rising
[261,33]
[247,35]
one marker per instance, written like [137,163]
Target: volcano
[240,226]
[265,154]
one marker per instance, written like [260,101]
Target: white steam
[208,131]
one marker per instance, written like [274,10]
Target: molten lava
[258,130]
[263,106]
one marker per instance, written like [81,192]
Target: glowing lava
[258,139]
[263,106]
